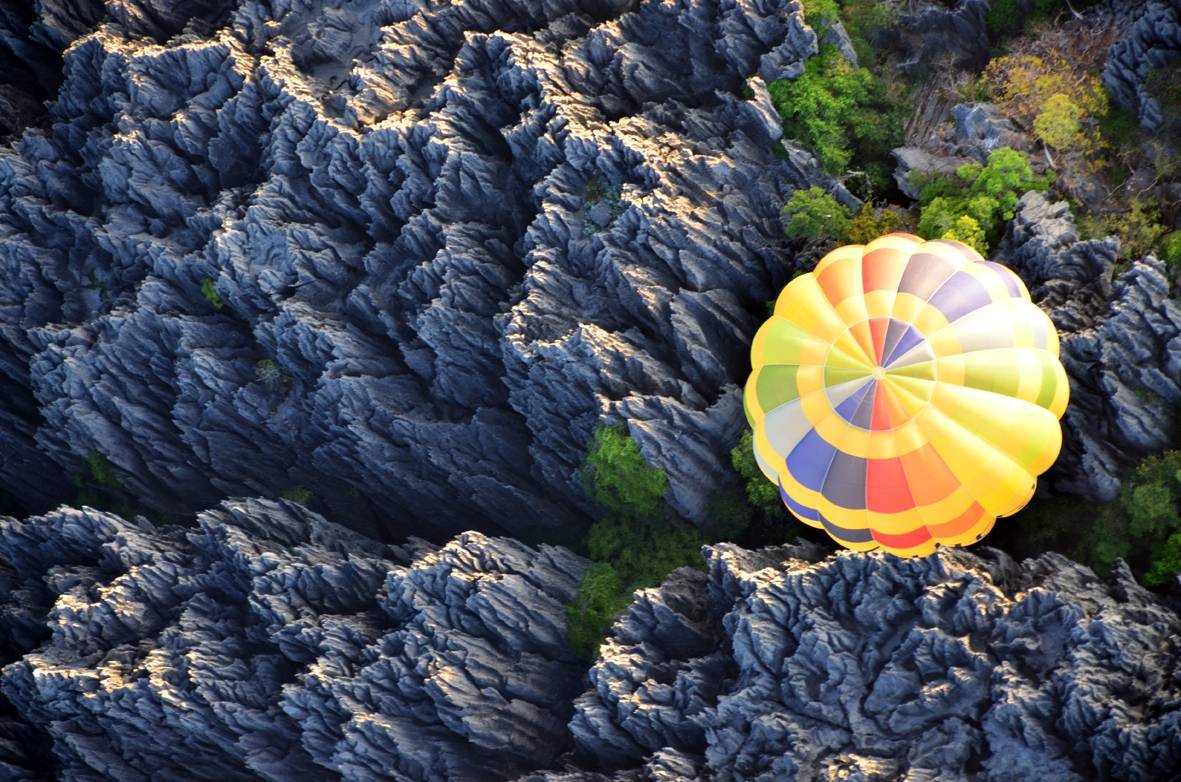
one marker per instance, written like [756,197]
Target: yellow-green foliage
[1058,123]
[965,229]
[1063,107]
[869,223]
[209,291]
[1138,227]
[987,194]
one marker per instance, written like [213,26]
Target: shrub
[1058,123]
[1062,106]
[1171,251]
[965,229]
[870,223]
[1141,524]
[845,115]
[987,194]
[301,494]
[271,375]
[1138,227]
[1166,564]
[760,492]
[814,214]
[100,469]
[820,14]
[620,479]
[634,546]
[209,291]
[600,598]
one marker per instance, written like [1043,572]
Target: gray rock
[982,128]
[937,35]
[786,664]
[1120,340]
[1151,43]
[836,35]
[268,643]
[915,160]
[388,200]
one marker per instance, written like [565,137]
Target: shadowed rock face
[1120,338]
[267,643]
[782,664]
[439,244]
[1151,42]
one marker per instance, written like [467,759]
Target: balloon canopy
[905,394]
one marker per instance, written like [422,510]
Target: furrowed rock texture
[267,643]
[409,253]
[784,664]
[1150,47]
[1120,339]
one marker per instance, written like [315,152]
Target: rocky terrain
[399,259]
[409,254]
[268,643]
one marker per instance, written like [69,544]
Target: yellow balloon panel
[905,394]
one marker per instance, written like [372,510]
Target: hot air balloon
[905,394]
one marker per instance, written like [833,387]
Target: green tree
[209,291]
[1059,124]
[846,116]
[620,479]
[870,223]
[1166,563]
[760,492]
[600,598]
[814,214]
[988,194]
[965,229]
[635,545]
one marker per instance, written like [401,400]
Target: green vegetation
[1139,229]
[301,494]
[635,545]
[760,492]
[966,229]
[846,116]
[1142,526]
[272,376]
[1058,123]
[1171,252]
[98,485]
[100,469]
[209,291]
[619,478]
[986,194]
[815,215]
[870,222]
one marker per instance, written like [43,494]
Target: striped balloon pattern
[905,394]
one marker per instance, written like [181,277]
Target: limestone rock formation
[268,643]
[1120,337]
[1150,45]
[410,254]
[784,664]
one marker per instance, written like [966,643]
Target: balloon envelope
[905,394]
